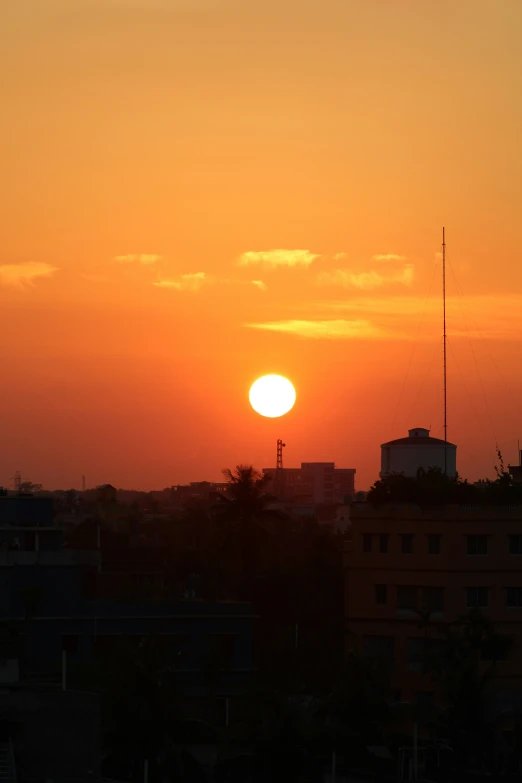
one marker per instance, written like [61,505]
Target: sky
[198,192]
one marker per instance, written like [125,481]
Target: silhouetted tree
[141,706]
[357,709]
[244,521]
[433,488]
[273,740]
[28,488]
[427,488]
[462,668]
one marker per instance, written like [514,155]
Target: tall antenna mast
[279,467]
[445,357]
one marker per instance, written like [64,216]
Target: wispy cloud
[367,281]
[497,316]
[340,256]
[259,284]
[277,258]
[25,274]
[388,257]
[138,258]
[189,282]
[386,305]
[330,329]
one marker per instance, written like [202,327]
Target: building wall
[26,510]
[407,458]
[453,571]
[53,590]
[192,635]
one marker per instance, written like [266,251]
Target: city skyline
[256,195]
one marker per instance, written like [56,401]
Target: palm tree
[243,520]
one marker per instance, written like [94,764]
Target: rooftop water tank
[418,450]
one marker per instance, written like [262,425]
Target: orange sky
[159,156]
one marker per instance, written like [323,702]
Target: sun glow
[272,396]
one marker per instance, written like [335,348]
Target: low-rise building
[55,600]
[409,572]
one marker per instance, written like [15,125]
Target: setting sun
[272,396]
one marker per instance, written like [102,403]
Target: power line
[513,397]
[466,388]
[421,389]
[474,355]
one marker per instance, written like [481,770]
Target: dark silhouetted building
[409,572]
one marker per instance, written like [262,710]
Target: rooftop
[451,511]
[419,441]
[419,436]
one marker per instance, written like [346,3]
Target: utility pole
[445,347]
[415,751]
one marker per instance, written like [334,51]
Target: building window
[477,545]
[367,542]
[383,543]
[434,598]
[515,545]
[477,597]
[407,543]
[434,544]
[415,654]
[380,594]
[382,647]
[407,597]
[513,596]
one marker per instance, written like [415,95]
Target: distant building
[106,494]
[418,450]
[314,482]
[207,491]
